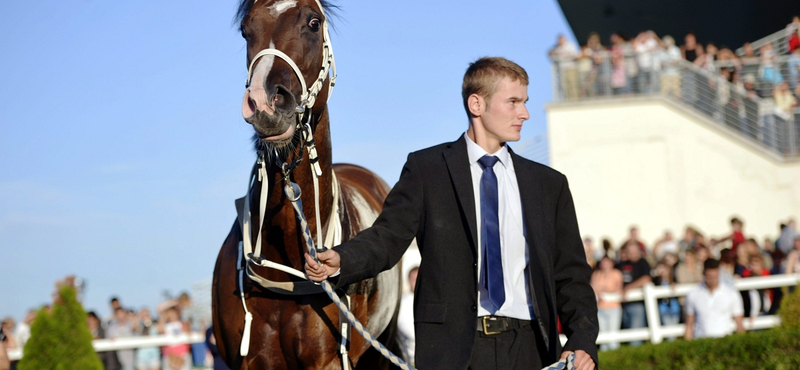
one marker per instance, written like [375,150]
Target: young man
[502,258]
[713,308]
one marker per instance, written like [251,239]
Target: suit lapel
[457,161]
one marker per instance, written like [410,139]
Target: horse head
[288,58]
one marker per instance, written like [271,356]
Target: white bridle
[309,95]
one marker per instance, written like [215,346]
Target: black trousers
[516,349]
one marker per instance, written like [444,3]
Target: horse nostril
[284,100]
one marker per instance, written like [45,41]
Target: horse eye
[314,24]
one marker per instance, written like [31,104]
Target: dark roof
[724,22]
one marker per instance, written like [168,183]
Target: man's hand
[329,264]
[582,360]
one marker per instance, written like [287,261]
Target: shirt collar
[475,152]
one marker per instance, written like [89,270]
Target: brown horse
[285,102]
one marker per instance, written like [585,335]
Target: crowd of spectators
[174,317]
[755,92]
[714,263]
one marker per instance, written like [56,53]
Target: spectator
[211,343]
[5,364]
[691,51]
[607,248]
[591,255]
[712,308]
[194,316]
[645,46]
[564,54]
[786,240]
[114,303]
[607,285]
[176,356]
[689,239]
[147,358]
[665,245]
[689,271]
[23,332]
[405,318]
[670,77]
[635,274]
[668,308]
[793,259]
[619,74]
[793,70]
[122,327]
[768,71]
[761,302]
[633,236]
[10,341]
[737,235]
[727,267]
[793,33]
[108,358]
[595,52]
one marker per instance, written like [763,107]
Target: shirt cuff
[335,274]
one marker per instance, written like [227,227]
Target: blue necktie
[490,234]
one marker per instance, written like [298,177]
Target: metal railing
[102,345]
[752,115]
[656,333]
[779,41]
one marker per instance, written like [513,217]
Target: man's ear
[476,105]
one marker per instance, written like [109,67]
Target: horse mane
[245,6]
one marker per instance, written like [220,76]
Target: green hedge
[774,349]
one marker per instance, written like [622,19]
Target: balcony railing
[753,115]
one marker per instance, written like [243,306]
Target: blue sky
[122,145]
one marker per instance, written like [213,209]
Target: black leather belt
[490,325]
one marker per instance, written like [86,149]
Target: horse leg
[226,305]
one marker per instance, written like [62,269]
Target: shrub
[777,348]
[60,340]
[790,310]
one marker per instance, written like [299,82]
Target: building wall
[652,163]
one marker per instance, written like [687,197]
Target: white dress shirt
[512,239]
[714,311]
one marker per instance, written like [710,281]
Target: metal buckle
[486,327]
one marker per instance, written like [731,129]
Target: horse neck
[280,213]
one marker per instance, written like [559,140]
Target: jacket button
[474,308]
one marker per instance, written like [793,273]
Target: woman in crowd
[607,285]
[668,308]
[147,358]
[178,356]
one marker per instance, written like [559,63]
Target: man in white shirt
[712,309]
[502,261]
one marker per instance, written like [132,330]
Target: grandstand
[678,144]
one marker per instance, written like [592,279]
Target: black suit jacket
[433,201]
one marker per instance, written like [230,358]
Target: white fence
[650,294]
[656,333]
[101,345]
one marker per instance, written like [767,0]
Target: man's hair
[710,264]
[483,75]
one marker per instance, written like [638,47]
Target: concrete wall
[655,164]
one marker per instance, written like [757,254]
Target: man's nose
[524,114]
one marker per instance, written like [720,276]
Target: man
[122,327]
[500,245]
[635,274]
[564,54]
[712,308]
